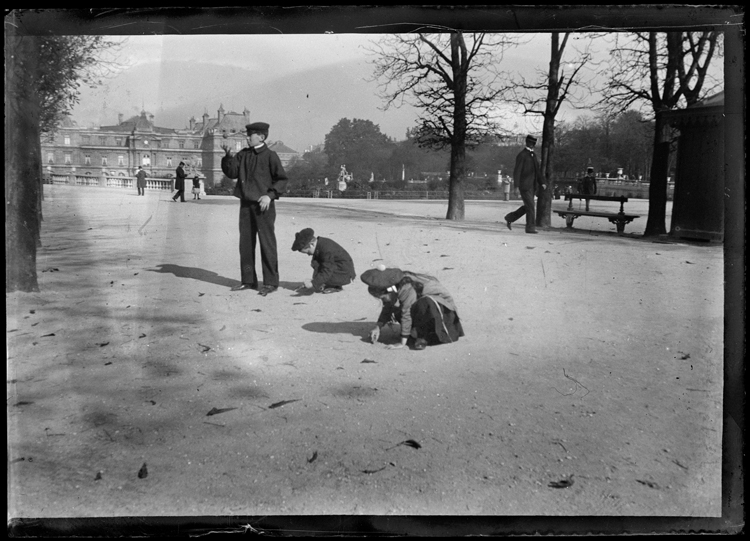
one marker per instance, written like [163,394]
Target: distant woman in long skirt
[421,305]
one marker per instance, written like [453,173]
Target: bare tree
[660,71]
[454,80]
[544,98]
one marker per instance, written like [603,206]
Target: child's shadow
[356,328]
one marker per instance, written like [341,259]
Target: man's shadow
[356,328]
[210,277]
[196,274]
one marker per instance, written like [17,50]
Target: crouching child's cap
[302,239]
[382,279]
[257,127]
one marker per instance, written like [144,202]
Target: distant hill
[301,108]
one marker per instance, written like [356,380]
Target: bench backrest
[618,198]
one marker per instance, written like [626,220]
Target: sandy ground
[589,381]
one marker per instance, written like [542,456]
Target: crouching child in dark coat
[332,266]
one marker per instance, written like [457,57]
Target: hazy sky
[301,84]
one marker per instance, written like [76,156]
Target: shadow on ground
[356,328]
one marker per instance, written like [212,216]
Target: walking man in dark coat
[527,175]
[179,183]
[141,180]
[260,181]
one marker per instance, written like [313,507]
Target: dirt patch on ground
[589,381]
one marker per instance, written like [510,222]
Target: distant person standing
[260,181]
[527,175]
[179,183]
[197,187]
[140,177]
[588,185]
[506,188]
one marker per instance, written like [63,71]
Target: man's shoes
[265,290]
[507,223]
[533,232]
[420,344]
[243,287]
[333,289]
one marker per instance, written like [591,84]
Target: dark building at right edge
[698,205]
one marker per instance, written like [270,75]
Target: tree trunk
[458,141]
[657,190]
[22,162]
[456,188]
[544,197]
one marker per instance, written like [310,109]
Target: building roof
[281,148]
[708,111]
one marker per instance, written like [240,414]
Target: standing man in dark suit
[141,180]
[179,183]
[260,181]
[528,178]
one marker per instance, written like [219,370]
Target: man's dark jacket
[259,172]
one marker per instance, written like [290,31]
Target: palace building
[105,154]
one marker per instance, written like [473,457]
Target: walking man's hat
[531,139]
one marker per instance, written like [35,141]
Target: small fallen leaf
[205,348]
[368,361]
[50,334]
[563,483]
[98,476]
[447,268]
[282,403]
[530,247]
[106,364]
[103,344]
[411,443]
[375,471]
[256,310]
[143,335]
[23,403]
[216,411]
[200,294]
[313,457]
[143,472]
[689,262]
[649,484]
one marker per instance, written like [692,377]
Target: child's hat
[255,127]
[382,279]
[302,239]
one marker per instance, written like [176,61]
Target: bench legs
[620,222]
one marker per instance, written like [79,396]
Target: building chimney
[192,122]
[220,113]
[119,118]
[246,114]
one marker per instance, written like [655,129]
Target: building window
[169,161]
[87,159]
[199,163]
[103,141]
[158,144]
[67,139]
[104,160]
[68,158]
[120,160]
[50,157]
[85,139]
[196,144]
[182,144]
[118,141]
[238,145]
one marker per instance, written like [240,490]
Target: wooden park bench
[617,218]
